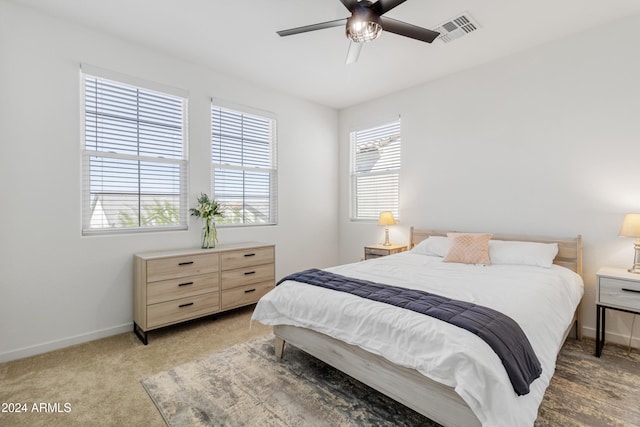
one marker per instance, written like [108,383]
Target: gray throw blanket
[499,331]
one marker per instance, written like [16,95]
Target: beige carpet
[101,379]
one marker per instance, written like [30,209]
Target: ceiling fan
[366,23]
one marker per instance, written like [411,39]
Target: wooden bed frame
[432,399]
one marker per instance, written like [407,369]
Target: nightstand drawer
[245,276]
[619,292]
[182,266]
[167,290]
[245,295]
[166,313]
[376,252]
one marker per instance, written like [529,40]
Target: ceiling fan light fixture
[363,27]
[366,23]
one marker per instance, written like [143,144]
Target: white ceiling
[238,38]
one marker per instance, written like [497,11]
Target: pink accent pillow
[468,248]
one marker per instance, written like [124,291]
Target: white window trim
[120,78]
[273,170]
[353,197]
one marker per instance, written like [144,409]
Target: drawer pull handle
[631,290]
[186,263]
[249,254]
[186,284]
[247,273]
[185,305]
[248,291]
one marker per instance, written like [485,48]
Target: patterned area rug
[246,386]
[589,391]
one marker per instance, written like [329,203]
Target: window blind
[134,158]
[375,171]
[243,156]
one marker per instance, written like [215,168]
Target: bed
[439,370]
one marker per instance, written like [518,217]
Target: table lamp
[386,219]
[631,228]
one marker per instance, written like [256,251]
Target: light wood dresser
[173,286]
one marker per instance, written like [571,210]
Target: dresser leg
[142,335]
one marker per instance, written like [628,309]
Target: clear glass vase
[209,234]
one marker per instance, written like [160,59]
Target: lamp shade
[631,226]
[386,218]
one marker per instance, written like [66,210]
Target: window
[134,155]
[375,171]
[243,156]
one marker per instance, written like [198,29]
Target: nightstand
[376,251]
[618,290]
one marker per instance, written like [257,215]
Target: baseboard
[612,337]
[65,342]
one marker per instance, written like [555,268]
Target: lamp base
[636,258]
[386,237]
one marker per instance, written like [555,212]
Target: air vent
[456,27]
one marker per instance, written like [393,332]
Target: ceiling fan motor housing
[364,24]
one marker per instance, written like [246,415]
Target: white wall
[58,287]
[544,142]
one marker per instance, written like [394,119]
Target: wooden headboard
[569,249]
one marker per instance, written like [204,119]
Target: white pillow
[523,253]
[432,245]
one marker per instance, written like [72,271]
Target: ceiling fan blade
[354,52]
[350,4]
[383,6]
[313,27]
[408,30]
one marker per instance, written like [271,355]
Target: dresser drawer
[166,313]
[246,257]
[247,275]
[245,295]
[181,266]
[619,292]
[167,290]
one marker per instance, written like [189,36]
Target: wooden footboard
[432,399]
[407,386]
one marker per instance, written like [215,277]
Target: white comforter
[542,301]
